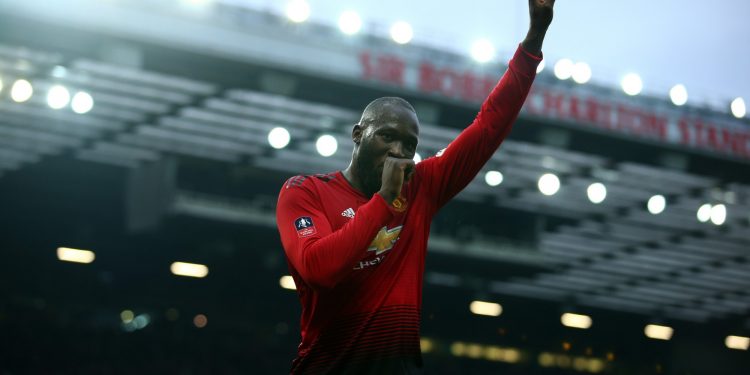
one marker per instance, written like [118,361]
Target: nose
[397,150]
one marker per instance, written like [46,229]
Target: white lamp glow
[576,320]
[597,192]
[493,178]
[401,32]
[482,51]
[287,282]
[298,11]
[658,332]
[82,102]
[349,22]
[632,84]
[58,97]
[718,214]
[678,94]
[564,69]
[21,91]
[326,145]
[486,308]
[540,67]
[704,213]
[738,108]
[581,72]
[189,269]
[656,204]
[278,137]
[549,184]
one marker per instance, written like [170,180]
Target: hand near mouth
[396,171]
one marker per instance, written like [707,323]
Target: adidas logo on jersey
[349,212]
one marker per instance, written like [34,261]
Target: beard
[369,174]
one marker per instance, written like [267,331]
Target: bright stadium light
[189,269]
[540,67]
[656,204]
[576,320]
[482,51]
[678,94]
[349,22]
[21,91]
[548,184]
[596,192]
[738,108]
[493,178]
[278,138]
[58,97]
[581,72]
[704,213]
[658,332]
[718,214]
[737,342]
[563,69]
[298,11]
[401,32]
[632,84]
[82,102]
[326,145]
[486,308]
[67,254]
[287,282]
[417,158]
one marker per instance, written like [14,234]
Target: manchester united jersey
[358,262]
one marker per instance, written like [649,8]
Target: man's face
[395,133]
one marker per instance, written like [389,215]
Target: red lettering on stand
[685,133]
[384,68]
[553,104]
[428,81]
[587,110]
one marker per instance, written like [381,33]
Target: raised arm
[452,169]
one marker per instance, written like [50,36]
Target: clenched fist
[396,171]
[540,12]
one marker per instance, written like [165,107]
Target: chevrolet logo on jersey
[385,240]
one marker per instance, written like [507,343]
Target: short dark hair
[379,106]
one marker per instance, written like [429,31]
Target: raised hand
[540,12]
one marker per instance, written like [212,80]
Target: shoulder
[307,181]
[304,190]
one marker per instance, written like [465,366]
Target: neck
[351,174]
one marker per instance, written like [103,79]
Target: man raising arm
[356,240]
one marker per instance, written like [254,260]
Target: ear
[357,132]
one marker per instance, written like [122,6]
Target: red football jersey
[358,262]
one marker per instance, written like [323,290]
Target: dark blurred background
[147,133]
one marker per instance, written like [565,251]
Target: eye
[387,137]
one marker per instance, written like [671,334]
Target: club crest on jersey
[304,226]
[385,239]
